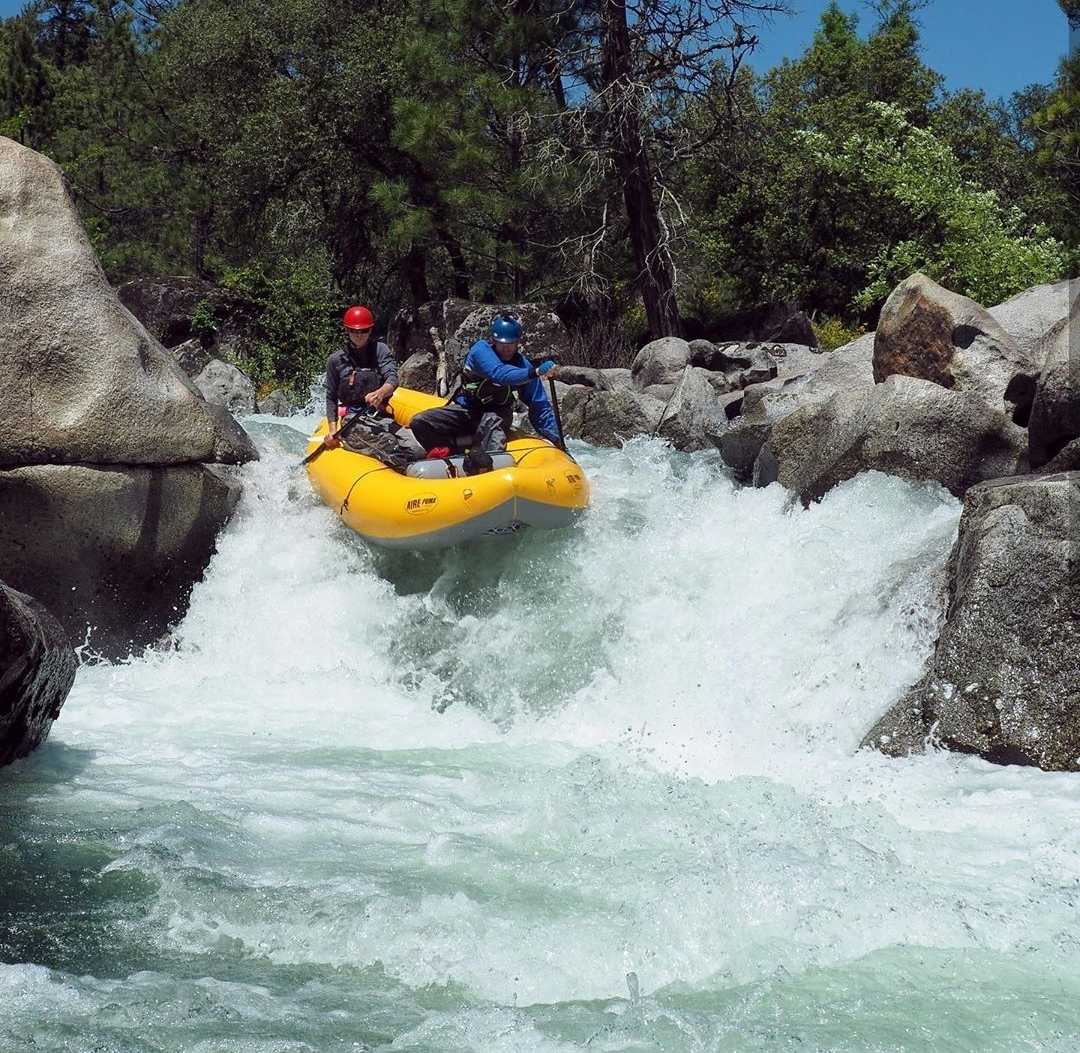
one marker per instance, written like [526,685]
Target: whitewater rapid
[593,789]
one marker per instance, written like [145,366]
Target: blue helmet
[505,330]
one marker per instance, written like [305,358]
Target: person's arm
[483,358]
[384,359]
[541,412]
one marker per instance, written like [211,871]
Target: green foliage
[14,125]
[292,314]
[960,234]
[833,332]
[856,169]
[203,322]
[1055,129]
[400,153]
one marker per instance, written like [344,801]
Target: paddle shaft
[558,416]
[340,433]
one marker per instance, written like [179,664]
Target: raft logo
[421,504]
[573,479]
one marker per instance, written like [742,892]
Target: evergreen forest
[622,161]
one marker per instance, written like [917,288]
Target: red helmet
[358,318]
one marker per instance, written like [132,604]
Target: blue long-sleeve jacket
[520,374]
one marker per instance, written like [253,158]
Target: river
[587,790]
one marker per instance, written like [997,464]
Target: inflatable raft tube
[535,484]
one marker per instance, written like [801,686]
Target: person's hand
[379,398]
[545,368]
[331,442]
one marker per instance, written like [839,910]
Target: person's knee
[421,428]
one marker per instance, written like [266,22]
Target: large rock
[222,384]
[693,418]
[419,371]
[167,306]
[660,362]
[113,548]
[458,324]
[781,323]
[811,380]
[1054,422]
[932,334]
[1004,679]
[1068,460]
[1029,316]
[904,426]
[83,380]
[410,329]
[37,669]
[609,418]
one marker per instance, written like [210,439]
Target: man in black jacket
[362,375]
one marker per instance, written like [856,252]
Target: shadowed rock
[115,548]
[1055,410]
[37,669]
[1004,679]
[419,371]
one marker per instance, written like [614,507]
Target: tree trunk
[414,267]
[459,272]
[652,253]
[200,235]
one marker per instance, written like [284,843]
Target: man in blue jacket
[480,409]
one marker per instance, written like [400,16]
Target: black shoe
[477,462]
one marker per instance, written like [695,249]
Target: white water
[450,801]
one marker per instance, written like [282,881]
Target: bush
[203,322]
[961,235]
[292,311]
[600,343]
[834,332]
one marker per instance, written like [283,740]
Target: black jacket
[352,374]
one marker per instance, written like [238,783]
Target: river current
[592,790]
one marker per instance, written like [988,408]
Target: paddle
[558,417]
[340,433]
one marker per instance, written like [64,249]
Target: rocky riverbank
[115,473]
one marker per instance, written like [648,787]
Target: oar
[558,417]
[340,433]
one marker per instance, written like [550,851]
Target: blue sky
[997,45]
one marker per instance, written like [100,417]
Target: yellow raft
[539,486]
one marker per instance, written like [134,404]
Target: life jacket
[355,380]
[482,392]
